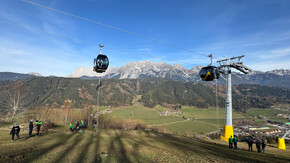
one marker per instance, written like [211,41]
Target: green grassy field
[205,120]
[125,146]
[270,114]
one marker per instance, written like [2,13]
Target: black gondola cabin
[209,73]
[101,63]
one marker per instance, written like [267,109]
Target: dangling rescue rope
[98,101]
[217,107]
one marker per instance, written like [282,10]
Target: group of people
[260,144]
[16,129]
[79,125]
[233,140]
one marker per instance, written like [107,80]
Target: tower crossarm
[230,63]
[284,136]
[241,67]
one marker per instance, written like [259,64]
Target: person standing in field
[38,125]
[71,127]
[82,124]
[258,145]
[264,146]
[15,130]
[231,142]
[250,143]
[235,142]
[77,126]
[30,127]
[86,123]
[95,125]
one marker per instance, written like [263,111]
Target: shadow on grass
[117,149]
[97,158]
[62,139]
[24,147]
[205,149]
[84,149]
[73,143]
[40,135]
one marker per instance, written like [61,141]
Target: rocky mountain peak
[280,72]
[34,74]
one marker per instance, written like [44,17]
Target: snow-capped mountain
[147,69]
[142,69]
[281,72]
[35,74]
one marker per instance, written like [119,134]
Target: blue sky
[258,29]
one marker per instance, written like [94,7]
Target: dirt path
[169,123]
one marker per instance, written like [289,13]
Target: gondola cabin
[101,63]
[209,73]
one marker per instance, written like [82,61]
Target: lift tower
[225,68]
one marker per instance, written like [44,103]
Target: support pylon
[228,129]
[281,143]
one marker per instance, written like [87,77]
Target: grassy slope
[125,146]
[269,114]
[205,119]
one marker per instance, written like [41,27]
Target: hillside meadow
[59,145]
[202,120]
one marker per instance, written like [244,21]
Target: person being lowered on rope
[15,130]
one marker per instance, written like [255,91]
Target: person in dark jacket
[258,145]
[235,142]
[77,126]
[86,123]
[264,146]
[15,130]
[38,125]
[250,142]
[30,127]
[231,142]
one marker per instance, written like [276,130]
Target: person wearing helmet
[30,127]
[15,130]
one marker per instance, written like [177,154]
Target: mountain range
[37,92]
[147,69]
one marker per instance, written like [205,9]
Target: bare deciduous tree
[67,107]
[13,98]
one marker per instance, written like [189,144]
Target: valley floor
[126,146]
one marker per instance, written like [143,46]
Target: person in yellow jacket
[71,127]
[82,124]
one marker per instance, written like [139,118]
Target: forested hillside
[51,91]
